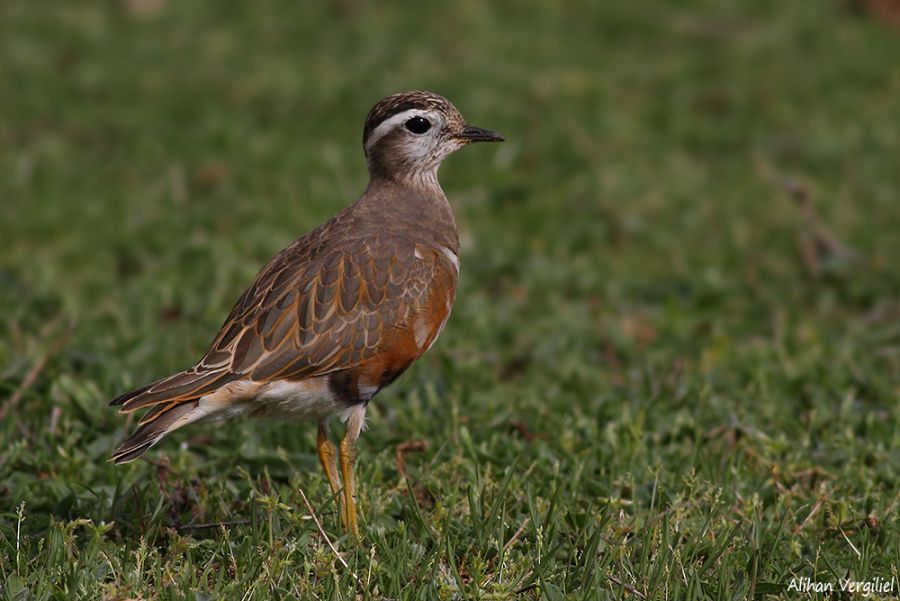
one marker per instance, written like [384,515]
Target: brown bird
[341,312]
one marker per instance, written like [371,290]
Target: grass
[673,368]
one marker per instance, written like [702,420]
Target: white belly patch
[309,400]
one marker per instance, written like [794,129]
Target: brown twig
[818,241]
[812,513]
[526,588]
[55,414]
[849,542]
[212,525]
[522,429]
[32,376]
[410,446]
[627,587]
[315,518]
[516,536]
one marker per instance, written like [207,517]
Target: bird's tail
[159,421]
[175,403]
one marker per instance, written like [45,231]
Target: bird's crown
[417,101]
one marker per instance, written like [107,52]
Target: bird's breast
[424,317]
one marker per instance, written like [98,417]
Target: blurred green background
[674,363]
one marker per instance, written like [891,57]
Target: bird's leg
[348,457]
[328,458]
[355,422]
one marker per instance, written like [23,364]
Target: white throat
[427,178]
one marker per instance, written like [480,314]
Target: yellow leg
[355,423]
[348,458]
[328,458]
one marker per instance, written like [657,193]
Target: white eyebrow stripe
[390,123]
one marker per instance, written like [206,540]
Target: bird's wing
[310,312]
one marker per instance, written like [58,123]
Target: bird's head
[407,135]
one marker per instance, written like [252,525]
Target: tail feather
[162,419]
[172,401]
[124,398]
[183,386]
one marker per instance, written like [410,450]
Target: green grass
[658,381]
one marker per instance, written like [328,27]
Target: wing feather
[316,308]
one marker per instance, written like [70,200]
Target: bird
[341,312]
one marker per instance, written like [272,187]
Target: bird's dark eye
[418,125]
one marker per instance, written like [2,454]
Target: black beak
[476,134]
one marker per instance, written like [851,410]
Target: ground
[674,364]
